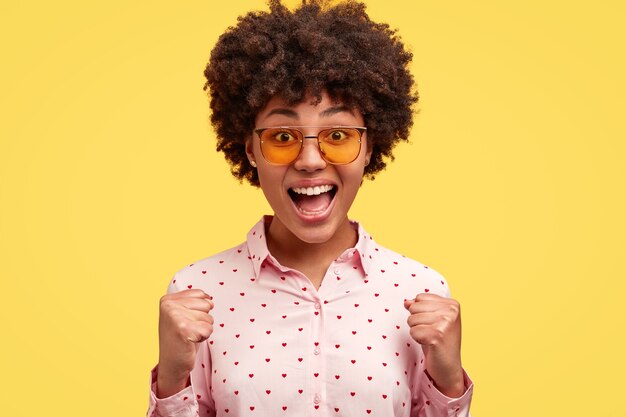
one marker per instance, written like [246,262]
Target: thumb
[407,303]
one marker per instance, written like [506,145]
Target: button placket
[317,362]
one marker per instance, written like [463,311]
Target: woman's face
[310,218]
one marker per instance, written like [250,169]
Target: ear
[368,154]
[250,151]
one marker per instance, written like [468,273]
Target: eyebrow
[284,112]
[326,113]
[334,110]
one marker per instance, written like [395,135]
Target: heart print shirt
[282,348]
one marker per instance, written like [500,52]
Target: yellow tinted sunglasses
[338,145]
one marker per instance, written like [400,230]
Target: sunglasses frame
[298,129]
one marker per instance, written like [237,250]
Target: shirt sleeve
[181,404]
[193,400]
[428,401]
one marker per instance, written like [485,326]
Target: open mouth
[312,201]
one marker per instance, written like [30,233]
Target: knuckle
[183,327]
[454,309]
[447,319]
[167,304]
[198,293]
[415,334]
[438,336]
[203,332]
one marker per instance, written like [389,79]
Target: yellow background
[514,188]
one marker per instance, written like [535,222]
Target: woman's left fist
[435,324]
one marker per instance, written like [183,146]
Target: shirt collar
[366,248]
[257,245]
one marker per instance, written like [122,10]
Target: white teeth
[313,190]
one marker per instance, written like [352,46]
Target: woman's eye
[283,137]
[336,135]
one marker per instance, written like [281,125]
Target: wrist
[453,391]
[453,385]
[168,384]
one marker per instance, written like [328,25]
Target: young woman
[309,316]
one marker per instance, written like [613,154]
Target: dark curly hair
[317,47]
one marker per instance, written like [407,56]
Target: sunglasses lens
[340,145]
[281,146]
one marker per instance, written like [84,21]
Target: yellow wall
[514,188]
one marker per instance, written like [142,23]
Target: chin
[318,235]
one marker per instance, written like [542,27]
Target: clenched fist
[435,324]
[184,321]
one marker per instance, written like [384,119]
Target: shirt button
[316,350]
[318,306]
[336,271]
[316,400]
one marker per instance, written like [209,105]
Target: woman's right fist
[184,321]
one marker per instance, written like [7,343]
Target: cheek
[352,179]
[270,179]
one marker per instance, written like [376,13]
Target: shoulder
[413,274]
[207,271]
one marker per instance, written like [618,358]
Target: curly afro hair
[317,47]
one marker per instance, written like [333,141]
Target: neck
[303,256]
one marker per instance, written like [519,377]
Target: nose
[310,158]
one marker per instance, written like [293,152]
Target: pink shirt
[282,348]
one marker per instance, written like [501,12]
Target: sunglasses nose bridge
[316,137]
[311,156]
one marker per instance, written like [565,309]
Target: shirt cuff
[181,404]
[455,407]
